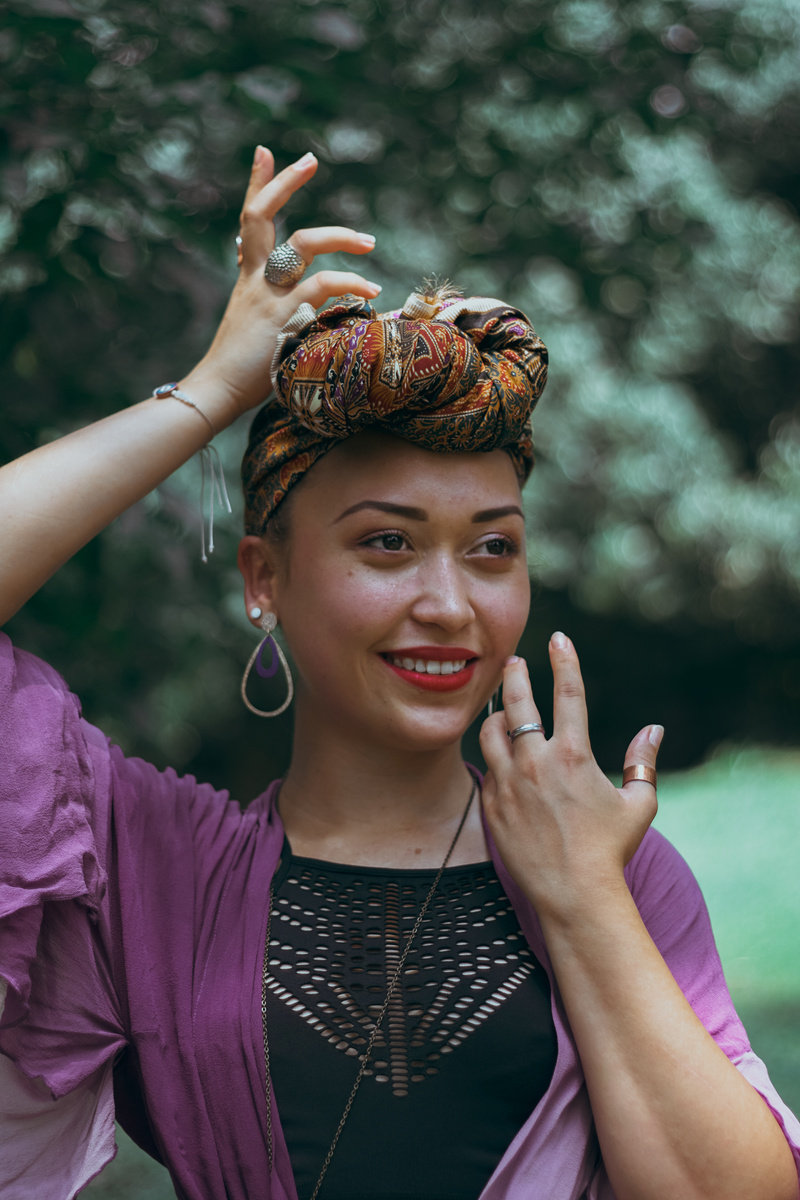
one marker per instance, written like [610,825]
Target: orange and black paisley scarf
[459,376]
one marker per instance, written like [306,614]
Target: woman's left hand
[563,830]
[673,1115]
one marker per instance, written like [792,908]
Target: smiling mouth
[438,674]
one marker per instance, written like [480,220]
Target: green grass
[133,1175]
[736,820]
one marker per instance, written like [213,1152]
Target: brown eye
[391,541]
[496,546]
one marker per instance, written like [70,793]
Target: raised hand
[239,359]
[57,497]
[563,830]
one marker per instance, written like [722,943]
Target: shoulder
[28,684]
[667,894]
[147,799]
[63,778]
[672,907]
[19,668]
[658,868]
[668,897]
[51,802]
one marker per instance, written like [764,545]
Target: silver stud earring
[268,622]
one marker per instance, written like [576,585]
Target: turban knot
[457,376]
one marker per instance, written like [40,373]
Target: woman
[428,979]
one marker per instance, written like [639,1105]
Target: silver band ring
[531,727]
[640,773]
[285,266]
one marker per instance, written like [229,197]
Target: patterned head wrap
[446,374]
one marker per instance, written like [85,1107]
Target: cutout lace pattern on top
[337,935]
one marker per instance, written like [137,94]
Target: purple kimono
[133,911]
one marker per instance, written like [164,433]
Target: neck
[350,801]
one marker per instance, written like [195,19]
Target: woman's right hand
[237,365]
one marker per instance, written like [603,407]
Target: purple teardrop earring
[272,670]
[268,622]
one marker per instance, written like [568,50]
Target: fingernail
[559,641]
[513,658]
[367,237]
[376,287]
[259,155]
[655,735]
[304,162]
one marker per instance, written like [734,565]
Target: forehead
[377,466]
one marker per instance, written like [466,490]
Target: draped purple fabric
[133,908]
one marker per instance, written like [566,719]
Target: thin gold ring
[640,773]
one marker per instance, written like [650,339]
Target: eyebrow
[419,514]
[494,514]
[400,510]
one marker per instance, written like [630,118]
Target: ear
[259,564]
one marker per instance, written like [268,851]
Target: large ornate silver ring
[531,727]
[285,266]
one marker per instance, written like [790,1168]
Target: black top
[466,1050]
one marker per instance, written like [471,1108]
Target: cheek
[506,607]
[332,607]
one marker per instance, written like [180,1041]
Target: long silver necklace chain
[365,1057]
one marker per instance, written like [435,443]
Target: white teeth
[431,667]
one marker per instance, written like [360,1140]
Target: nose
[443,596]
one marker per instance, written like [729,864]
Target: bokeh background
[627,173]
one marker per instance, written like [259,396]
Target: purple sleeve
[64,793]
[674,911]
[61,1019]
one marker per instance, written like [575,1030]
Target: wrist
[584,903]
[212,395]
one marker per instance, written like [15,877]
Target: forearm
[58,497]
[55,499]
[674,1116]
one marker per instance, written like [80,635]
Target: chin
[425,732]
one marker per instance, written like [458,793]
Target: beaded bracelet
[209,456]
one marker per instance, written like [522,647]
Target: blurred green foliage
[625,172]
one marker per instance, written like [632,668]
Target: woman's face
[401,590]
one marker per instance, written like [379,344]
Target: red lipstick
[434,683]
